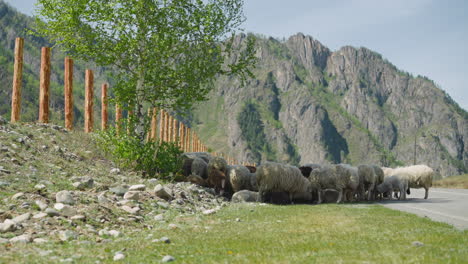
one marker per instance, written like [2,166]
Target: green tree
[165,53]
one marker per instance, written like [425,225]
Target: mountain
[14,24]
[309,104]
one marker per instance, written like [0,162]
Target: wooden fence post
[68,93]
[175,129]
[161,125]
[171,129]
[187,139]
[154,125]
[166,126]
[104,117]
[17,80]
[44,86]
[118,117]
[89,87]
[182,136]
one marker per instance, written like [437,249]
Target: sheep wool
[326,178]
[275,177]
[241,178]
[217,175]
[367,180]
[419,176]
[397,183]
[350,176]
[199,168]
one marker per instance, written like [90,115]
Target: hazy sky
[423,37]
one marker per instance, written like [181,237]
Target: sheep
[241,178]
[218,177]
[199,167]
[419,176]
[396,182]
[379,177]
[367,180]
[274,177]
[350,176]
[308,168]
[245,196]
[188,158]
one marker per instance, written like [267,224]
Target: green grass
[273,234]
[458,182]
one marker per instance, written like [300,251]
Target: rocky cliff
[311,104]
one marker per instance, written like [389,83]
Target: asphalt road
[443,205]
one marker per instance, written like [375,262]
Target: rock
[159,217]
[209,211]
[417,244]
[167,258]
[17,196]
[162,192]
[115,233]
[65,210]
[119,256]
[40,240]
[119,190]
[132,195]
[3,121]
[238,220]
[42,205]
[78,218]
[8,226]
[115,171]
[83,183]
[138,187]
[195,179]
[153,181]
[40,187]
[4,241]
[245,196]
[131,210]
[51,212]
[165,240]
[40,215]
[163,205]
[103,232]
[173,226]
[21,218]
[67,235]
[25,238]
[3,183]
[64,197]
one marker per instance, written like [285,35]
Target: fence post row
[44,88]
[170,129]
[17,79]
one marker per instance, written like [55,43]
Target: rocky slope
[311,104]
[57,186]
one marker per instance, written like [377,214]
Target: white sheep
[395,183]
[419,176]
[277,178]
[241,178]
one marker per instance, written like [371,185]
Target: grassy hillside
[458,182]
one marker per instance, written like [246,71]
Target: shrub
[151,157]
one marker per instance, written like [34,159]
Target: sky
[422,37]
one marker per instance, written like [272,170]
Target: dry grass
[457,182]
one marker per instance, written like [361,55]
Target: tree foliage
[165,53]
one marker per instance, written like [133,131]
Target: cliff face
[320,106]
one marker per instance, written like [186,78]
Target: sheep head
[217,174]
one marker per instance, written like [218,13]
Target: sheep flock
[278,183]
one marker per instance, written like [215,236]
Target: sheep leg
[427,192]
[291,198]
[340,196]
[319,194]
[371,191]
